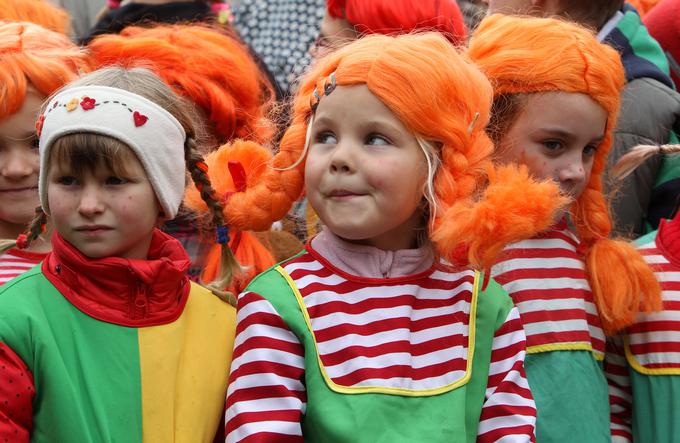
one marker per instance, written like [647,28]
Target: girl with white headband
[108,340]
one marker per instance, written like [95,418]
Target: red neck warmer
[668,239]
[123,291]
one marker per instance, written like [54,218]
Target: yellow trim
[392,391]
[641,369]
[565,347]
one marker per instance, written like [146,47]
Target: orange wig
[402,16]
[445,101]
[36,11]
[211,69]
[32,55]
[531,55]
[234,167]
[643,6]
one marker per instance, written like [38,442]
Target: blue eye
[326,138]
[377,140]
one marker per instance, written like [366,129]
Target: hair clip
[473,122]
[329,87]
[314,100]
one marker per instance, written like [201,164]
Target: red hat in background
[663,23]
[402,16]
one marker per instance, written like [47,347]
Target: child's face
[557,135]
[103,214]
[365,171]
[19,166]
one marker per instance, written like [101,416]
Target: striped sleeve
[509,411]
[16,397]
[620,394]
[266,397]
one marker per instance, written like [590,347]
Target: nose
[342,159]
[17,164]
[572,172]
[91,201]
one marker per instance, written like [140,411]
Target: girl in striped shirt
[34,63]
[643,363]
[382,329]
[555,107]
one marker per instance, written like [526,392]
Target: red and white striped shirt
[653,343]
[15,262]
[408,333]
[546,278]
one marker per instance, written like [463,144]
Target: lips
[340,193]
[17,190]
[92,229]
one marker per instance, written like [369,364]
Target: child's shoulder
[23,286]
[646,239]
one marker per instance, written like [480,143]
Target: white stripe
[542,243]
[396,358]
[331,280]
[506,421]
[668,276]
[670,295]
[658,357]
[381,292]
[642,338]
[305,266]
[537,263]
[659,316]
[263,405]
[268,355]
[264,379]
[261,330]
[557,326]
[546,283]
[656,259]
[279,427]
[580,304]
[393,335]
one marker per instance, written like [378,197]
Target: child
[369,334]
[108,340]
[642,364]
[555,107]
[34,62]
[217,74]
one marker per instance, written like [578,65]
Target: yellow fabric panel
[184,371]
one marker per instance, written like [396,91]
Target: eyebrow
[566,134]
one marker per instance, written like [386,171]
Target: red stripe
[657,346]
[290,415]
[541,273]
[260,342]
[654,326]
[498,433]
[549,338]
[264,392]
[390,324]
[262,367]
[554,315]
[406,300]
[348,353]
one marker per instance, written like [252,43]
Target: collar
[370,262]
[668,239]
[122,291]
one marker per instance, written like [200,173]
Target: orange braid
[445,101]
[528,55]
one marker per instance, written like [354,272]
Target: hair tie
[473,122]
[222,234]
[22,241]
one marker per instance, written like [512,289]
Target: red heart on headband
[140,119]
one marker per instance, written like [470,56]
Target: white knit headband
[155,136]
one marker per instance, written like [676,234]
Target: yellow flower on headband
[73,104]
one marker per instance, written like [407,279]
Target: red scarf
[127,292]
[668,238]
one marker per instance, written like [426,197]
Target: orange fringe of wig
[529,55]
[443,99]
[31,55]
[402,16]
[36,11]
[210,68]
[253,160]
[643,6]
